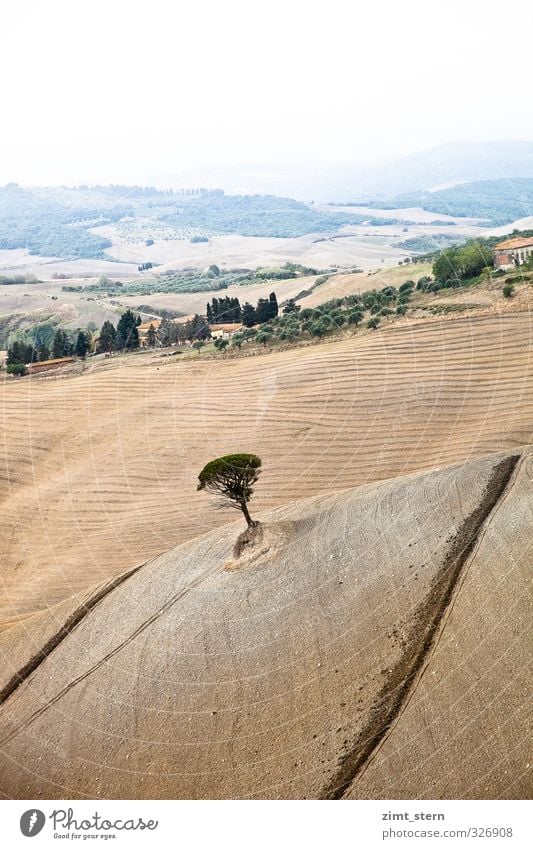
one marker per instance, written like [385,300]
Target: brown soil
[422,633]
[374,609]
[98,471]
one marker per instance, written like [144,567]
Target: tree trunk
[247,516]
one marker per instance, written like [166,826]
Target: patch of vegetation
[162,312]
[447,309]
[456,265]
[426,244]
[19,279]
[497,201]
[192,280]
[31,220]
[296,324]
[31,328]
[58,221]
[18,369]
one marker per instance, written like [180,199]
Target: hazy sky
[113,91]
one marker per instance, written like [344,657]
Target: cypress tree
[106,342]
[262,310]
[249,317]
[82,344]
[127,336]
[43,353]
[60,345]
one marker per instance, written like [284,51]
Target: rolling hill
[498,202]
[445,164]
[372,642]
[60,221]
[98,471]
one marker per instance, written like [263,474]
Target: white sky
[116,91]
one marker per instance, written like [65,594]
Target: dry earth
[465,729]
[39,300]
[357,246]
[22,262]
[373,642]
[341,285]
[98,471]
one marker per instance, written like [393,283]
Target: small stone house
[512,252]
[224,331]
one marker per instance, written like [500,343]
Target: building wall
[510,257]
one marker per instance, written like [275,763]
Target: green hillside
[57,221]
[498,202]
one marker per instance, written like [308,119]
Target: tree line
[79,343]
[229,311]
[63,345]
[298,324]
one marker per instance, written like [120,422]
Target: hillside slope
[465,730]
[276,674]
[98,472]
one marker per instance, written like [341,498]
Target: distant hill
[57,221]
[493,181]
[497,201]
[361,181]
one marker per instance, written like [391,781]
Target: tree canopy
[127,335]
[462,263]
[106,341]
[83,344]
[232,477]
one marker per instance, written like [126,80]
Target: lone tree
[232,477]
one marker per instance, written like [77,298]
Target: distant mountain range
[427,170]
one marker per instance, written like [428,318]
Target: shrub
[355,317]
[17,369]
[319,328]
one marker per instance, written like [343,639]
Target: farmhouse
[144,328]
[224,331]
[513,252]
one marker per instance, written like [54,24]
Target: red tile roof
[514,244]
